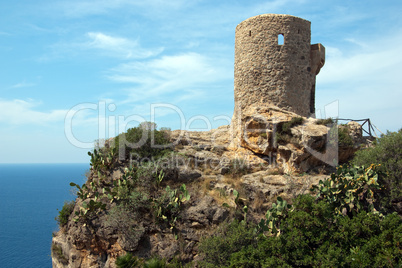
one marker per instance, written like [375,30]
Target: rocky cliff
[281,155]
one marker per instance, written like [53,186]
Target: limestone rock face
[300,146]
[266,163]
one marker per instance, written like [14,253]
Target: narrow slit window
[281,39]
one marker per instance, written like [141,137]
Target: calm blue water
[30,195]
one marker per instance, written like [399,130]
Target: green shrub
[273,217]
[155,262]
[311,236]
[283,130]
[103,159]
[314,232]
[128,261]
[351,189]
[344,139]
[325,122]
[138,201]
[144,141]
[228,239]
[387,152]
[65,212]
[295,121]
[168,206]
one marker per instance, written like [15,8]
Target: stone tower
[275,64]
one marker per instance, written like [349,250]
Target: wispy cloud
[118,46]
[102,44]
[18,111]
[373,60]
[365,79]
[23,84]
[88,8]
[27,112]
[188,73]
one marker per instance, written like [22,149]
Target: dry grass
[258,203]
[210,171]
[221,197]
[234,182]
[205,185]
[275,171]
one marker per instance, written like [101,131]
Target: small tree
[144,141]
[387,152]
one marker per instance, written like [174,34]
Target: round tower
[275,63]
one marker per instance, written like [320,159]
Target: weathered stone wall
[267,72]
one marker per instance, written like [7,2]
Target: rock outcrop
[206,163]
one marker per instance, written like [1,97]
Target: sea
[30,196]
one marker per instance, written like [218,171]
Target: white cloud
[375,60]
[366,80]
[23,112]
[104,44]
[188,73]
[17,112]
[23,84]
[117,46]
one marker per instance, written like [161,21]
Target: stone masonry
[271,72]
[279,74]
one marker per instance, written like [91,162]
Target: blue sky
[68,67]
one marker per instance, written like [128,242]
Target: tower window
[281,39]
[249,33]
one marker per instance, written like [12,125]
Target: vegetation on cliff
[387,153]
[345,221]
[339,227]
[311,236]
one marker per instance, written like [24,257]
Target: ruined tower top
[276,64]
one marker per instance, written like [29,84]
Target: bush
[283,131]
[65,212]
[325,122]
[103,159]
[344,139]
[295,121]
[167,207]
[387,152]
[351,189]
[155,262]
[228,239]
[144,141]
[124,216]
[311,236]
[128,261]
